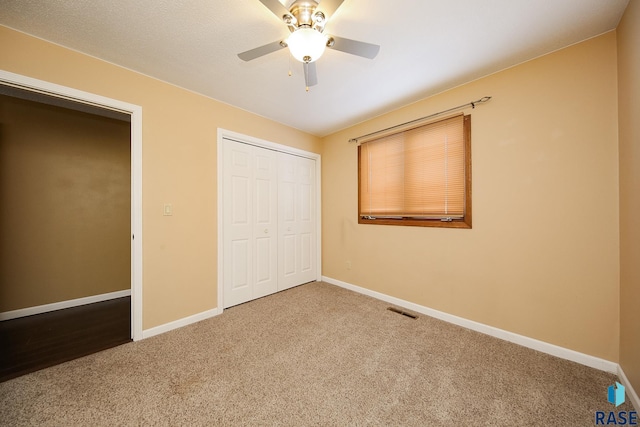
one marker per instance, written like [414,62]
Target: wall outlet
[348,264]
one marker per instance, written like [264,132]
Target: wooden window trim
[465,222]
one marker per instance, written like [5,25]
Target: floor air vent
[404,313]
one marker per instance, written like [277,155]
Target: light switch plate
[168,209]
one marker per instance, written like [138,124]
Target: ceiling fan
[306,20]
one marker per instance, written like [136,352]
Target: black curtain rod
[459,107]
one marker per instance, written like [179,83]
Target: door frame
[135,112]
[245,139]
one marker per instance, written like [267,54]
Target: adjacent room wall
[629,134]
[542,259]
[65,204]
[179,167]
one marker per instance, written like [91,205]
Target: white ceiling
[427,46]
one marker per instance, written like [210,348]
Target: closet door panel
[237,271]
[306,263]
[250,223]
[306,206]
[265,205]
[297,228]
[288,261]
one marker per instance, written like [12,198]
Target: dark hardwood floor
[30,343]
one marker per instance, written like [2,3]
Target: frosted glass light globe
[307,44]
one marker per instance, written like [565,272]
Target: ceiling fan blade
[354,47]
[261,51]
[310,75]
[276,8]
[328,7]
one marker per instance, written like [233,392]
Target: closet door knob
[266,231]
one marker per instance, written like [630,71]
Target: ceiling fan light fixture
[306,44]
[319,19]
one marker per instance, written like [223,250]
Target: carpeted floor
[313,355]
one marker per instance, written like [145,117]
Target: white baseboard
[147,333]
[29,311]
[554,350]
[631,393]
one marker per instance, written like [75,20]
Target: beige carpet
[313,355]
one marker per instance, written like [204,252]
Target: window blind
[416,173]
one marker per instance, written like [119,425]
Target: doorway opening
[108,110]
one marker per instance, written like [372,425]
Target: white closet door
[250,222]
[265,224]
[296,220]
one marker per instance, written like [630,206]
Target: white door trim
[135,111]
[223,133]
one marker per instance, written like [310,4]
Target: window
[419,176]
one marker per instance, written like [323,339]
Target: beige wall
[65,203]
[542,259]
[629,134]
[179,167]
